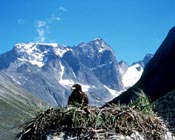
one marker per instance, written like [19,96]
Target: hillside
[16,106]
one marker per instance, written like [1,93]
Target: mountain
[16,106]
[158,77]
[159,74]
[48,71]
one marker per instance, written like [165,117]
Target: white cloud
[42,29]
[41,35]
[43,26]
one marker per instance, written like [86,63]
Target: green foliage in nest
[142,103]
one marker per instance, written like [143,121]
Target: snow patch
[60,52]
[112,91]
[101,50]
[15,80]
[132,75]
[85,88]
[30,53]
[65,82]
[34,54]
[100,66]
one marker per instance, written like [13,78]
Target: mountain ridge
[48,70]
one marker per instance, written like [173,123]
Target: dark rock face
[158,77]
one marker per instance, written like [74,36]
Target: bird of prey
[78,97]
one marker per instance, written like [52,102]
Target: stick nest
[93,123]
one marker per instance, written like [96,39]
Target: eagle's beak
[73,88]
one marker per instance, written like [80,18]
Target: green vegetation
[142,103]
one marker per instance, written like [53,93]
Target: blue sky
[132,28]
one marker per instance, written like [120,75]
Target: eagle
[78,97]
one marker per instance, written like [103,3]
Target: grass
[142,103]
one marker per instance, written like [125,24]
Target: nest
[93,123]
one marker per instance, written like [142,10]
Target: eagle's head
[76,87]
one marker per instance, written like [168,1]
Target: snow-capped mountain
[49,70]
